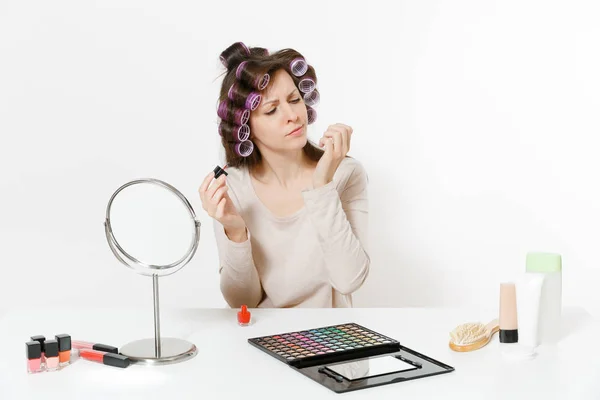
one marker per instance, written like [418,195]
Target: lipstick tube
[33,352]
[64,349]
[112,359]
[78,344]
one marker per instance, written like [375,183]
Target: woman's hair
[248,74]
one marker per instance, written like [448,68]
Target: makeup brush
[472,335]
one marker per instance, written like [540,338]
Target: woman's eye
[273,110]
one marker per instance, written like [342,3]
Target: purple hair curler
[264,81]
[243,132]
[239,69]
[240,133]
[222,110]
[260,82]
[245,47]
[312,98]
[307,85]
[298,66]
[231,92]
[253,100]
[241,116]
[312,114]
[244,149]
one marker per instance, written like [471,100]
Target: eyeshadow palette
[348,356]
[315,346]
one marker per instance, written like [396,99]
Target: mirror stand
[158,350]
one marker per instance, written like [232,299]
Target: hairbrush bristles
[468,333]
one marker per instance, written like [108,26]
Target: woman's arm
[240,283]
[341,219]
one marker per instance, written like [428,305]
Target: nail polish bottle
[243,316]
[33,352]
[64,349]
[51,348]
[41,339]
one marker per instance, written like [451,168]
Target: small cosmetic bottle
[509,332]
[243,316]
[52,362]
[41,339]
[64,349]
[33,352]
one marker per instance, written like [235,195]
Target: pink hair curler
[312,114]
[312,98]
[244,149]
[298,66]
[306,85]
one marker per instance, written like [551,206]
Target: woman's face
[279,122]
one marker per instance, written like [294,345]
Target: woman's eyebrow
[274,101]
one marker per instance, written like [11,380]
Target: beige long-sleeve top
[316,257]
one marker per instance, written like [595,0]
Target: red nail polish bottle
[243,316]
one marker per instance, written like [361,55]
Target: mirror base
[172,351]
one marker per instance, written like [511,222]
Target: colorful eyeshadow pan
[316,345]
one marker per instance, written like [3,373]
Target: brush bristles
[468,333]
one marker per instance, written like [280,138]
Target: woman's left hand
[336,141]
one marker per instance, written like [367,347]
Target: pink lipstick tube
[78,344]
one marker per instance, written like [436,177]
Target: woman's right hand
[217,203]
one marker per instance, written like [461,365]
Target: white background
[477,123]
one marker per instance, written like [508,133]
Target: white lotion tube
[529,293]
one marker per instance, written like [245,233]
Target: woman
[290,217]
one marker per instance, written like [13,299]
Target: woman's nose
[291,113]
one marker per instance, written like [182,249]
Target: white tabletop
[227,365]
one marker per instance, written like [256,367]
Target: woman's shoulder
[236,175]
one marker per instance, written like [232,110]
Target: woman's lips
[296,132]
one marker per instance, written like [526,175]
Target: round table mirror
[152,229]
